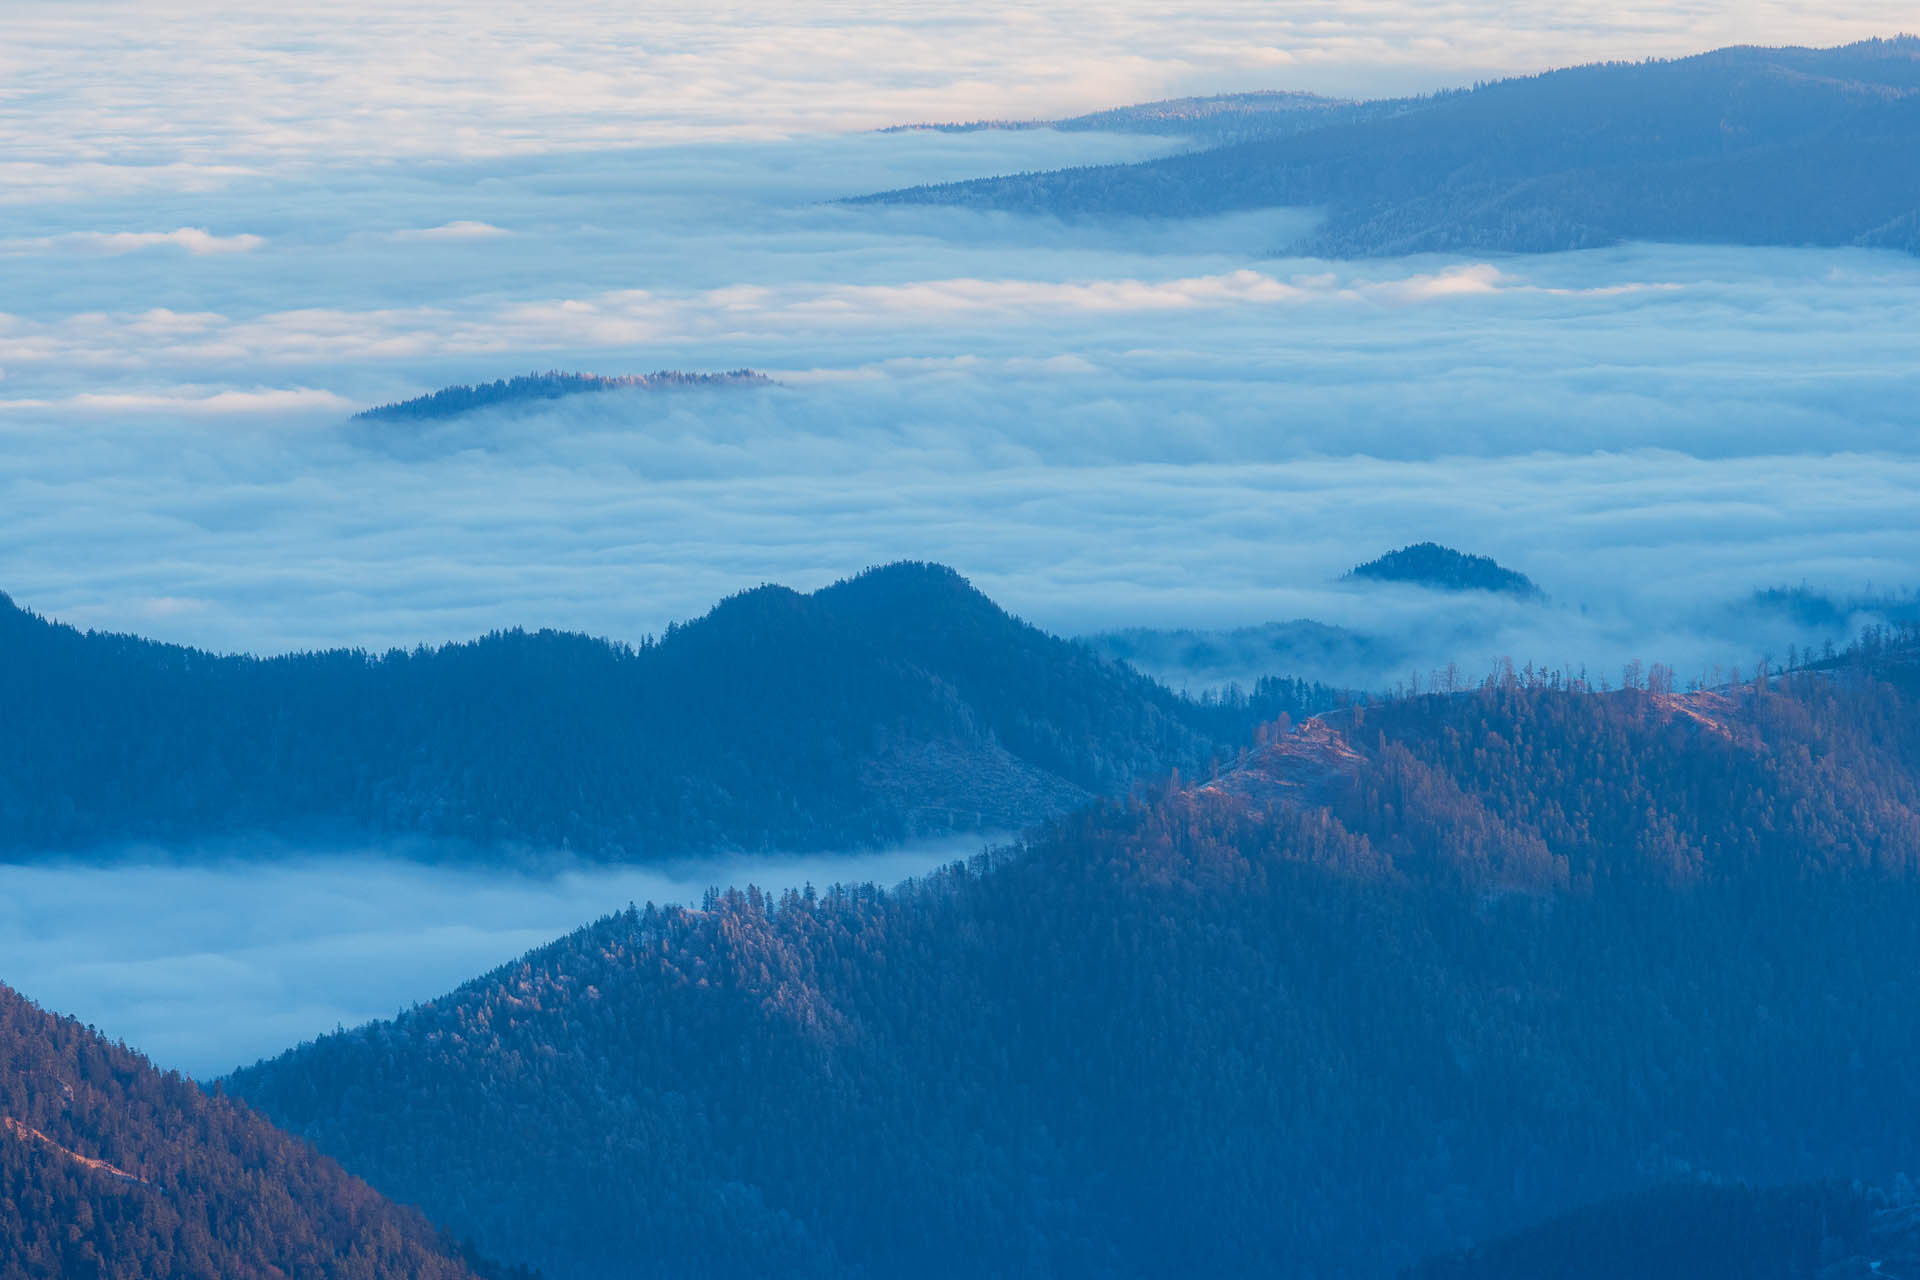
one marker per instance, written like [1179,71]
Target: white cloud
[195,240]
[768,314]
[460,229]
[403,80]
[195,399]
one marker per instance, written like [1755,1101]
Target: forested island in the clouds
[1739,146]
[532,388]
[1339,654]
[1428,564]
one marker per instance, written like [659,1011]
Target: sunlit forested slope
[110,1170]
[1741,146]
[1385,986]
[896,703]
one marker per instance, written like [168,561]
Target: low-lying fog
[205,968]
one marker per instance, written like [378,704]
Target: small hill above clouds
[531,388]
[1428,564]
[900,702]
[1739,146]
[109,1168]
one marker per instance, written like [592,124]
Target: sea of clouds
[224,229]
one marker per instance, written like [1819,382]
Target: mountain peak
[1430,565]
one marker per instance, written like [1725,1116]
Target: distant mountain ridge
[449,402]
[897,703]
[108,1168]
[1215,120]
[1740,146]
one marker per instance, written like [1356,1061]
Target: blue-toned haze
[224,229]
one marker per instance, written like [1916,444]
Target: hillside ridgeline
[897,703]
[1415,975]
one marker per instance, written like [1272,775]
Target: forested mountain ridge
[110,1170]
[1502,953]
[1742,145]
[900,702]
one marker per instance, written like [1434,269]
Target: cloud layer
[1101,425]
[208,967]
[186,80]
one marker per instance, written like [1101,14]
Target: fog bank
[208,967]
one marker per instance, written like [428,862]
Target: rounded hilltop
[1428,564]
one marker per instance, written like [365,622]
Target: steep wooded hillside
[1385,987]
[110,1170]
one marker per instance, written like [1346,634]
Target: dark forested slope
[899,702]
[1742,145]
[1428,564]
[110,1170]
[534,388]
[1708,1231]
[1384,987]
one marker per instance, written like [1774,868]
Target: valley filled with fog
[211,957]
